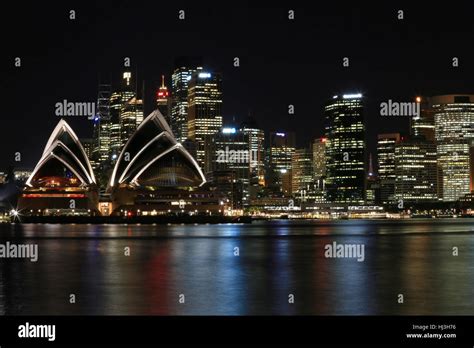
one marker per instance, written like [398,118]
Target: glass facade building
[454,131]
[345,149]
[386,165]
[204,114]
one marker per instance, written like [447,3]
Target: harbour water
[264,268]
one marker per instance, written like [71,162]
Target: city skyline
[268,79]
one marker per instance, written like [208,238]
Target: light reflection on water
[276,259]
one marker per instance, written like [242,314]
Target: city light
[204,75]
[352,96]
[280,134]
[228,130]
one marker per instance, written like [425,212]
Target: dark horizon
[282,62]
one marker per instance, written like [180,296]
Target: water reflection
[413,258]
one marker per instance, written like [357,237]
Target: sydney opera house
[153,175]
[63,182]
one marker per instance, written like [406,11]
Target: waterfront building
[183,70]
[454,131]
[386,165]
[281,149]
[155,174]
[415,171]
[345,133]
[62,182]
[204,114]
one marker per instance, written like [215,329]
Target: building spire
[162,81]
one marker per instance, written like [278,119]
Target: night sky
[282,62]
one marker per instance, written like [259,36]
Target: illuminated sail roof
[63,153]
[153,157]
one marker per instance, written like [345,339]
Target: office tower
[257,149]
[319,158]
[131,115]
[231,152]
[130,109]
[281,149]
[345,133]
[319,168]
[163,100]
[386,163]
[101,133]
[423,125]
[183,70]
[204,114]
[415,171]
[454,131]
[118,100]
[88,144]
[302,178]
[115,134]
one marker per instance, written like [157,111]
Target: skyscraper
[302,178]
[319,158]
[131,115]
[231,152]
[257,149]
[386,163]
[319,168]
[415,171]
[282,147]
[345,166]
[163,100]
[454,130]
[183,70]
[88,144]
[101,136]
[204,114]
[423,125]
[118,99]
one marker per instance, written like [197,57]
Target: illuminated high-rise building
[281,149]
[386,163]
[131,115]
[118,99]
[319,158]
[415,171]
[454,131]
[204,114]
[231,152]
[319,168]
[88,144]
[257,149]
[183,70]
[163,100]
[345,166]
[423,124]
[101,136]
[302,176]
